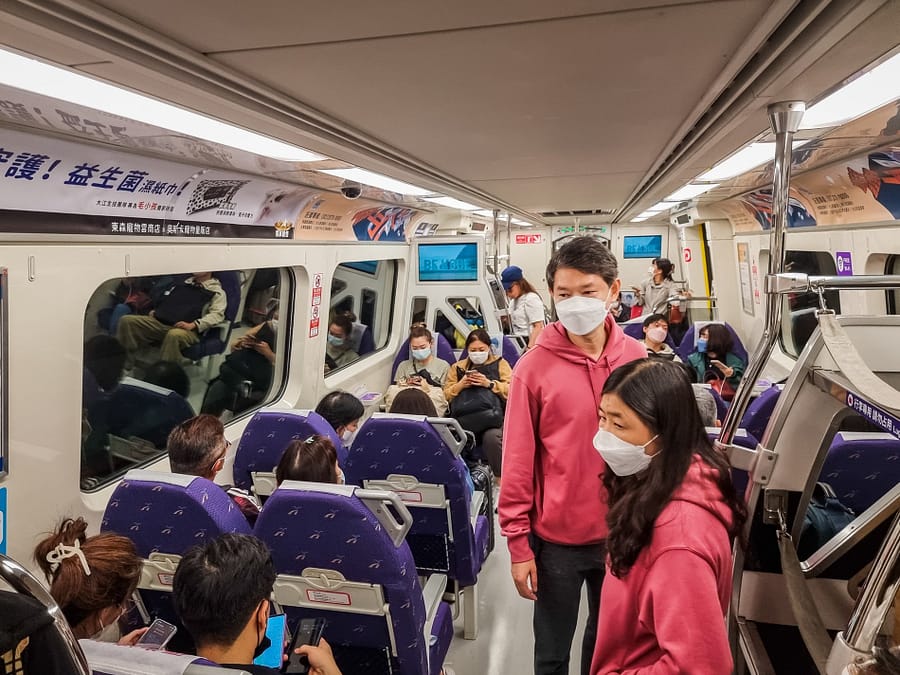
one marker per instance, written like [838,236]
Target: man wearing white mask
[656,330]
[552,506]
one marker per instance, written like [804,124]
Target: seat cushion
[441,636]
[482,537]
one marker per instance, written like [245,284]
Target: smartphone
[472,372]
[717,362]
[271,657]
[157,636]
[309,632]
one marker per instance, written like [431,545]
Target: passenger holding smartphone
[423,370]
[714,362]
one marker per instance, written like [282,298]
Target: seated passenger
[198,447]
[338,352]
[714,361]
[185,311]
[246,371]
[526,309]
[92,579]
[656,328]
[313,459]
[424,371]
[477,388]
[343,412]
[673,514]
[104,362]
[706,405]
[221,592]
[169,375]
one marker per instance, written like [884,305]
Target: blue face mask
[701,345]
[421,354]
[335,341]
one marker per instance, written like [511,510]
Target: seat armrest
[432,595]
[475,506]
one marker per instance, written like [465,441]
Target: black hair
[660,395]
[719,341]
[665,266]
[344,322]
[104,357]
[219,585]
[588,256]
[479,334]
[653,318]
[340,409]
[311,459]
[169,375]
[412,401]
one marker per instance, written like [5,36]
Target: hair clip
[311,439]
[61,552]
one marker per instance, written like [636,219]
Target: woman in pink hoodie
[673,514]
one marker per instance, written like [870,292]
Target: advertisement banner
[116,193]
[743,255]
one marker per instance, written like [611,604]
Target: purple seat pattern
[411,446]
[159,516]
[311,529]
[686,346]
[444,351]
[756,417]
[267,435]
[862,467]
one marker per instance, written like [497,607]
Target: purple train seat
[340,554]
[164,514]
[418,458]
[688,342]
[635,329]
[443,350]
[861,467]
[501,345]
[267,435]
[756,417]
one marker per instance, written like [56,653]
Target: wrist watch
[493,385]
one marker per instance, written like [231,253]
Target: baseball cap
[510,275]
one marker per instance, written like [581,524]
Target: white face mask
[623,458]
[478,357]
[110,633]
[657,334]
[580,315]
[340,476]
[651,270]
[347,437]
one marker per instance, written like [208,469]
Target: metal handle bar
[804,283]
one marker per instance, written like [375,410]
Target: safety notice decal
[874,414]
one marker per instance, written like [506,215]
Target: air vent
[583,212]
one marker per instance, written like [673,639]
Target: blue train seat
[164,514]
[688,342]
[143,410]
[861,467]
[264,440]
[443,350]
[340,554]
[361,339]
[215,340]
[418,458]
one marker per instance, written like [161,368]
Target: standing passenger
[551,494]
[654,292]
[673,513]
[526,309]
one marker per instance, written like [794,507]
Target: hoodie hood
[556,339]
[700,488]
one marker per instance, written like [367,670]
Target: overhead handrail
[797,282]
[23,582]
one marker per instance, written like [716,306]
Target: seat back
[265,438]
[215,340]
[418,458]
[111,659]
[443,350]
[756,417]
[861,467]
[340,554]
[503,346]
[689,342]
[145,410]
[636,330]
[361,339]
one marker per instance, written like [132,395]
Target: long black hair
[661,396]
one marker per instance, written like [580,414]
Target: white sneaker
[448,671]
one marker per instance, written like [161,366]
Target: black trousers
[561,573]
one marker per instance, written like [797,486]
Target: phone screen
[275,631]
[309,632]
[157,636]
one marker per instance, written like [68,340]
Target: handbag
[477,409]
[725,389]
[825,517]
[675,314]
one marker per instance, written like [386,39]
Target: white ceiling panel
[597,191]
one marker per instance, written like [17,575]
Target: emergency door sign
[315,304]
[536,238]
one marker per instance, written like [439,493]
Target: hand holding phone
[309,632]
[718,364]
[157,636]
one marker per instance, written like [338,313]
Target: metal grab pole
[785,119]
[496,243]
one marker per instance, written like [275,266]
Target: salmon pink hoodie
[666,616]
[551,472]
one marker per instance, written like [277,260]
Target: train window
[419,310]
[354,334]
[160,349]
[799,309]
[469,309]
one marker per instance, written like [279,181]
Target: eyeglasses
[222,455]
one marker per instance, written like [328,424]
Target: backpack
[183,302]
[825,517]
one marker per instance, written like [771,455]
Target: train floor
[505,642]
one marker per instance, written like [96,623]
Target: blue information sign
[874,414]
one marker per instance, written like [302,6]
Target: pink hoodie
[666,616]
[551,483]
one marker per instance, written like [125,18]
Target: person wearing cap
[526,309]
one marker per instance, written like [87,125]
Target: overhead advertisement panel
[864,189]
[109,192]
